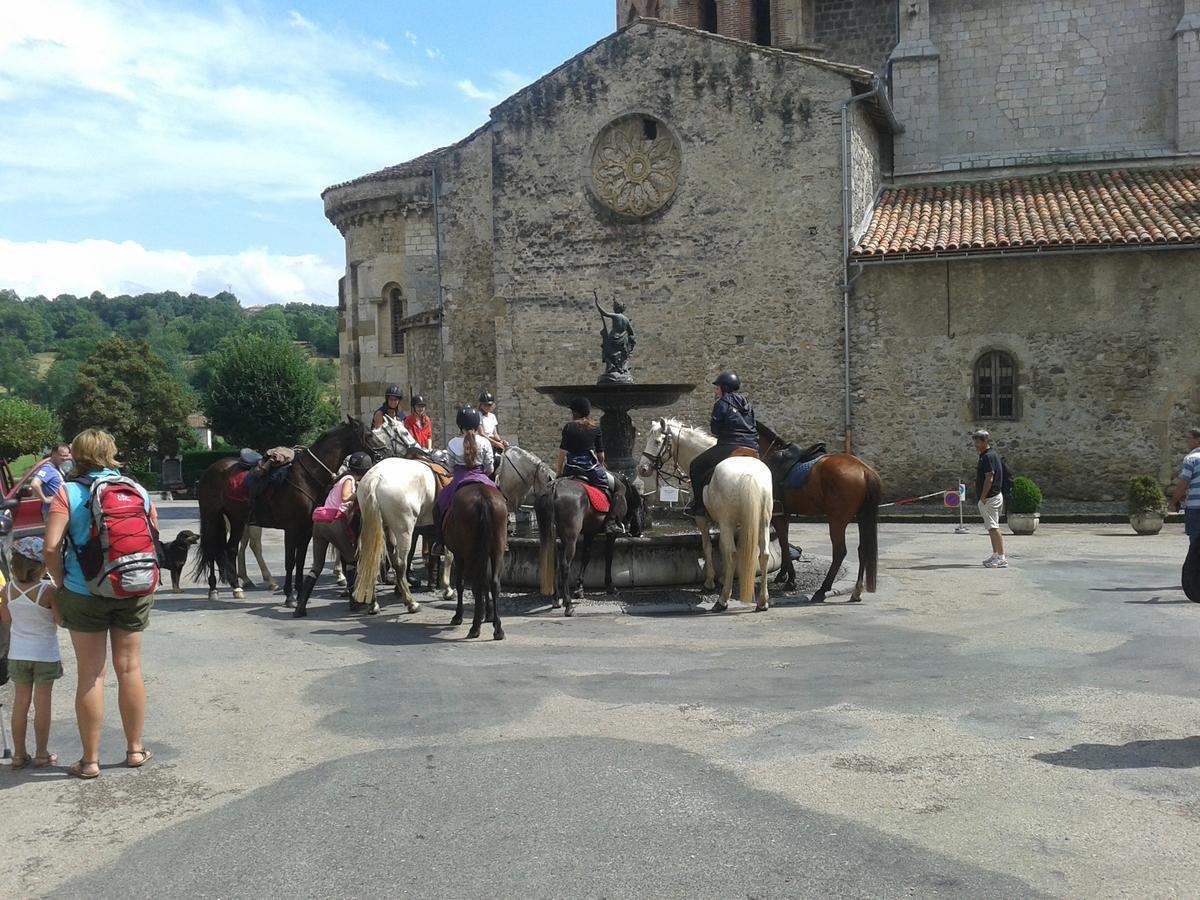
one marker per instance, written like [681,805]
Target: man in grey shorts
[989,478]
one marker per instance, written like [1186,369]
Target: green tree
[25,428]
[260,391]
[127,390]
[18,370]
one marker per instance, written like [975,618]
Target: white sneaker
[997,562]
[991,559]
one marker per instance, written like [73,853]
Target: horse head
[638,508]
[657,449]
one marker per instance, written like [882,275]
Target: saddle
[441,475]
[785,461]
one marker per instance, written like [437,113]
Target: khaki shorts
[990,508]
[83,612]
[24,671]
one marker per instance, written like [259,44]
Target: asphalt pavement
[964,732]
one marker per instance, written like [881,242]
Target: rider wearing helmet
[734,428]
[419,424]
[335,523]
[471,457]
[391,406]
[489,427]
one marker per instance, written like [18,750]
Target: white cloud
[505,83]
[433,53]
[103,101]
[256,276]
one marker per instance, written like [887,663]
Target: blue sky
[184,146]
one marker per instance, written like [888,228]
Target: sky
[151,146]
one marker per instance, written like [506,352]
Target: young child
[34,662]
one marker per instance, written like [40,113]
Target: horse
[395,497]
[565,514]
[252,538]
[520,474]
[843,488]
[477,536]
[739,496]
[288,507]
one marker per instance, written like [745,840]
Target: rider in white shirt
[489,426]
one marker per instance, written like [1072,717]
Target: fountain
[656,559]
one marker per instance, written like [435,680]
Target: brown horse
[288,507]
[840,487]
[477,535]
[564,513]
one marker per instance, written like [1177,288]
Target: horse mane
[769,433]
[683,426]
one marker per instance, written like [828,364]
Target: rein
[298,486]
[669,449]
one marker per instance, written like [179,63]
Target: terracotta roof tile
[1060,211]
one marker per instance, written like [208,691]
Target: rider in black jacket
[734,428]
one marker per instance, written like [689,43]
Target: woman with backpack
[97,523]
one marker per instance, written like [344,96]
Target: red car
[27,516]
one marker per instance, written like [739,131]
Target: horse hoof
[498,634]
[272,586]
[719,607]
[817,598]
[299,612]
[340,581]
[577,594]
[456,621]
[855,600]
[289,602]
[473,633]
[239,594]
[761,608]
[612,591]
[373,609]
[710,586]
[416,607]
[248,585]
[557,604]
[569,611]
[212,596]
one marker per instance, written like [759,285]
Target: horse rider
[733,426]
[334,524]
[489,427]
[390,408]
[418,423]
[581,456]
[471,458]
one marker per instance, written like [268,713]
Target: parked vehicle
[27,515]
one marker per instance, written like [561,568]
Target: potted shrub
[1023,509]
[1147,505]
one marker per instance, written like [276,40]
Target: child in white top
[34,663]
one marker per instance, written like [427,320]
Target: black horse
[288,507]
[565,514]
[477,535]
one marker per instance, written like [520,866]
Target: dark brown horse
[477,536]
[840,487]
[288,507]
[565,514]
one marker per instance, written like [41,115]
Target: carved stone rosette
[635,166]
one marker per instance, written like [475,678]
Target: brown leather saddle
[441,475]
[783,461]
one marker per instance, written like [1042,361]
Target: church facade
[995,202]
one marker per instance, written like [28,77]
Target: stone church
[897,221]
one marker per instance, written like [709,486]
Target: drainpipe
[441,301]
[878,94]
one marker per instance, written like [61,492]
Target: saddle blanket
[799,475]
[236,487]
[461,476]
[598,499]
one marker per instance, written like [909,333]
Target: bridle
[529,485]
[668,450]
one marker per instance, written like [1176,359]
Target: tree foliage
[127,389]
[261,392]
[26,428]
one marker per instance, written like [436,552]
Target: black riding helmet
[394,391]
[581,407]
[728,382]
[467,419]
[486,397]
[359,462]
[418,400]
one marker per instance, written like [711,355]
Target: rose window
[635,166]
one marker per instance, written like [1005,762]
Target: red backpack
[120,557]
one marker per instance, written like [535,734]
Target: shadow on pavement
[1175,753]
[1136,590]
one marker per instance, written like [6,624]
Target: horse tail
[371,541]
[868,528]
[213,555]
[756,516]
[543,508]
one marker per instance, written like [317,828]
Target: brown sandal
[145,755]
[77,770]
[20,762]
[40,762]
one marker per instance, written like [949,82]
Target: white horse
[252,538]
[520,474]
[739,496]
[396,495]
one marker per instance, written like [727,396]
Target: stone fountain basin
[656,560]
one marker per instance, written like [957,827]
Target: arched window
[396,302]
[995,386]
[762,22]
[708,15]
[631,15]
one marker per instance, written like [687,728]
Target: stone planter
[1149,522]
[1023,523]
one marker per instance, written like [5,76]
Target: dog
[172,557]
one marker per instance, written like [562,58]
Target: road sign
[952,499]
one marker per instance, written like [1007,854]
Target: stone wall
[1107,377]
[862,32]
[740,270]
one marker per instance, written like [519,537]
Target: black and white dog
[172,557]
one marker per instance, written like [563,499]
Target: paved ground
[964,732]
